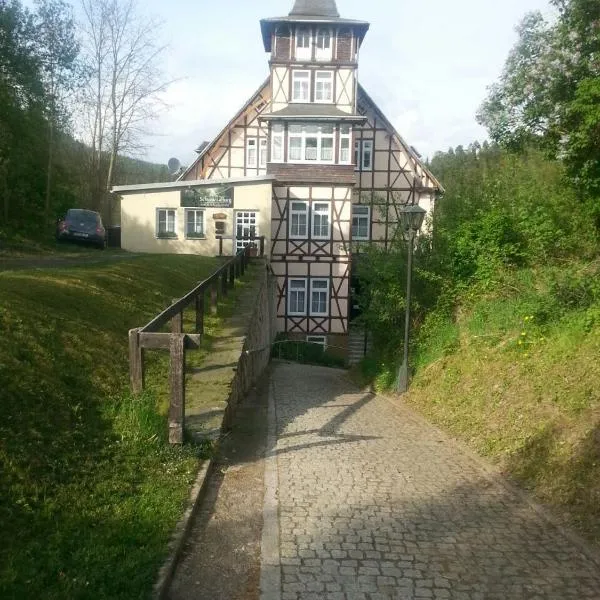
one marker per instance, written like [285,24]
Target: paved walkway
[365,501]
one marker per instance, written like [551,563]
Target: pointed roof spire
[315,8]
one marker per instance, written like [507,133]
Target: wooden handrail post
[214,297]
[232,275]
[177,385]
[136,362]
[200,313]
[224,283]
[177,321]
[262,245]
[242,259]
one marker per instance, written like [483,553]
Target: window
[165,223]
[363,155]
[303,44]
[317,340]
[296,296]
[319,297]
[311,143]
[323,44]
[324,86]
[299,220]
[263,153]
[194,224]
[301,86]
[361,221]
[277,143]
[251,153]
[367,155]
[320,220]
[345,138]
[246,228]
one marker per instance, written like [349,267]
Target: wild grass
[515,374]
[89,492]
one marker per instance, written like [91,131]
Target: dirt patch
[221,559]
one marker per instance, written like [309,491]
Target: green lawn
[89,492]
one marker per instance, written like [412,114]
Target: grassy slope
[89,492]
[517,376]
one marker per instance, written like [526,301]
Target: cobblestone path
[375,504]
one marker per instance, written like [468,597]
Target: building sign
[219,197]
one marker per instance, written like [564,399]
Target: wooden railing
[177,341]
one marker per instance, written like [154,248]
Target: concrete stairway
[356,345]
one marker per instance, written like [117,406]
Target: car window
[83,216]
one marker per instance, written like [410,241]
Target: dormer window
[324,44]
[303,50]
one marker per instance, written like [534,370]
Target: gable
[402,162]
[224,157]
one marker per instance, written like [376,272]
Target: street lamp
[411,221]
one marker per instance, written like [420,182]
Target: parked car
[81,225]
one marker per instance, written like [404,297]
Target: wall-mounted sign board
[203,197]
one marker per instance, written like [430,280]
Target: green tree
[57,51]
[548,91]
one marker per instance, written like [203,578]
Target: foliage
[518,380]
[88,485]
[43,170]
[502,211]
[122,94]
[548,91]
[304,352]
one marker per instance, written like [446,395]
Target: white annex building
[309,162]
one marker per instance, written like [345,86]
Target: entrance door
[246,228]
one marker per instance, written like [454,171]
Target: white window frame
[303,135]
[262,153]
[313,280]
[320,212]
[366,214]
[300,313]
[345,137]
[360,147]
[196,212]
[277,133]
[320,75]
[303,53]
[366,144]
[245,220]
[297,211]
[251,153]
[300,75]
[320,340]
[324,54]
[168,235]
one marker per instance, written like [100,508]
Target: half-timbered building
[337,170]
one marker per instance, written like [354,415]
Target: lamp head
[412,217]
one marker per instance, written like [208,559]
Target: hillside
[89,486]
[515,374]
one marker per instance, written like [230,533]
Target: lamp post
[411,221]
